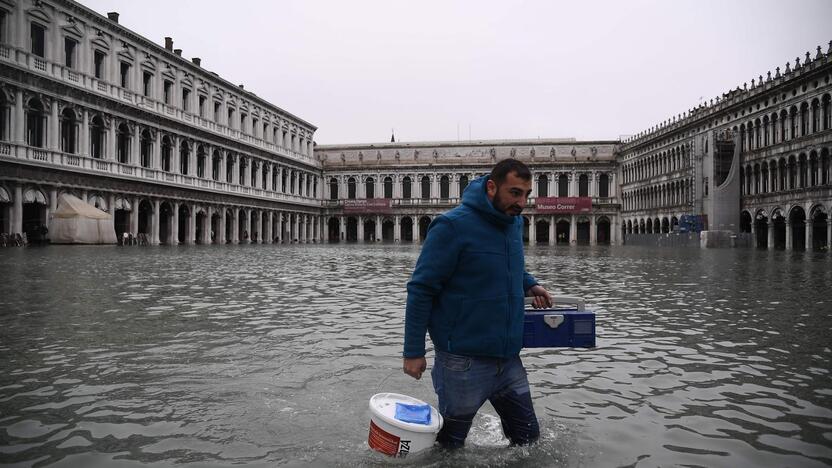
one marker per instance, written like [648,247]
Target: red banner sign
[563,205]
[368,206]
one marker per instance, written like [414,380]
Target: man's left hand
[542,299]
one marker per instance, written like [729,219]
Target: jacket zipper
[508,290]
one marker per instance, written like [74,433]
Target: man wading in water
[467,291]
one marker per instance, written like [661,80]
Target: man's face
[510,196]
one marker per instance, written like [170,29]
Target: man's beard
[511,210]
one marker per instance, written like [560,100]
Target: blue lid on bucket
[416,414]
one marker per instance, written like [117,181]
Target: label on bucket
[386,442]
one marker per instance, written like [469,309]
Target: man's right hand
[414,367]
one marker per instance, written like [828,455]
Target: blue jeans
[464,383]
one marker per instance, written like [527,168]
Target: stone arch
[424,223]
[406,226]
[819,216]
[388,229]
[333,224]
[603,230]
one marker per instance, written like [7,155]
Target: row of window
[787,174]
[664,163]
[669,194]
[248,124]
[787,124]
[649,226]
[244,168]
[445,187]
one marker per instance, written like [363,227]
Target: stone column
[134,217]
[54,132]
[304,228]
[268,234]
[552,239]
[247,175]
[788,234]
[209,226]
[156,153]
[250,226]
[573,230]
[174,225]
[135,155]
[18,120]
[770,235]
[532,231]
[17,211]
[593,235]
[192,224]
[319,229]
[155,229]
[342,228]
[235,226]
[111,142]
[593,184]
[175,155]
[809,234]
[268,168]
[259,227]
[84,140]
[221,174]
[378,228]
[360,229]
[296,227]
[397,229]
[53,204]
[223,221]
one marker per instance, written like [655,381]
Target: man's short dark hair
[507,166]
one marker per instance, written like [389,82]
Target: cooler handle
[562,300]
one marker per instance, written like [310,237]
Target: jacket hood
[476,198]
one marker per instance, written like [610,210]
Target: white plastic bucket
[397,438]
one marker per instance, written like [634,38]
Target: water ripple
[265,355]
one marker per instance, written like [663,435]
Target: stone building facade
[392,191]
[171,150]
[780,127]
[177,154]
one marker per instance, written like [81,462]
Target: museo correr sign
[563,205]
[367,206]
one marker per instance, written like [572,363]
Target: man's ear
[490,188]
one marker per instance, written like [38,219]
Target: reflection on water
[256,355]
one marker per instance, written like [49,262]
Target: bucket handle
[561,300]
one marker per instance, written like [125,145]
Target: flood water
[268,355]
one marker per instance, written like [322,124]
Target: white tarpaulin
[77,222]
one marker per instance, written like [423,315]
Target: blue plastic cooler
[572,327]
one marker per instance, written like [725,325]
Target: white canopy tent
[77,222]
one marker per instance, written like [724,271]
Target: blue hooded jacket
[468,285]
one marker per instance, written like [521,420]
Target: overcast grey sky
[433,69]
